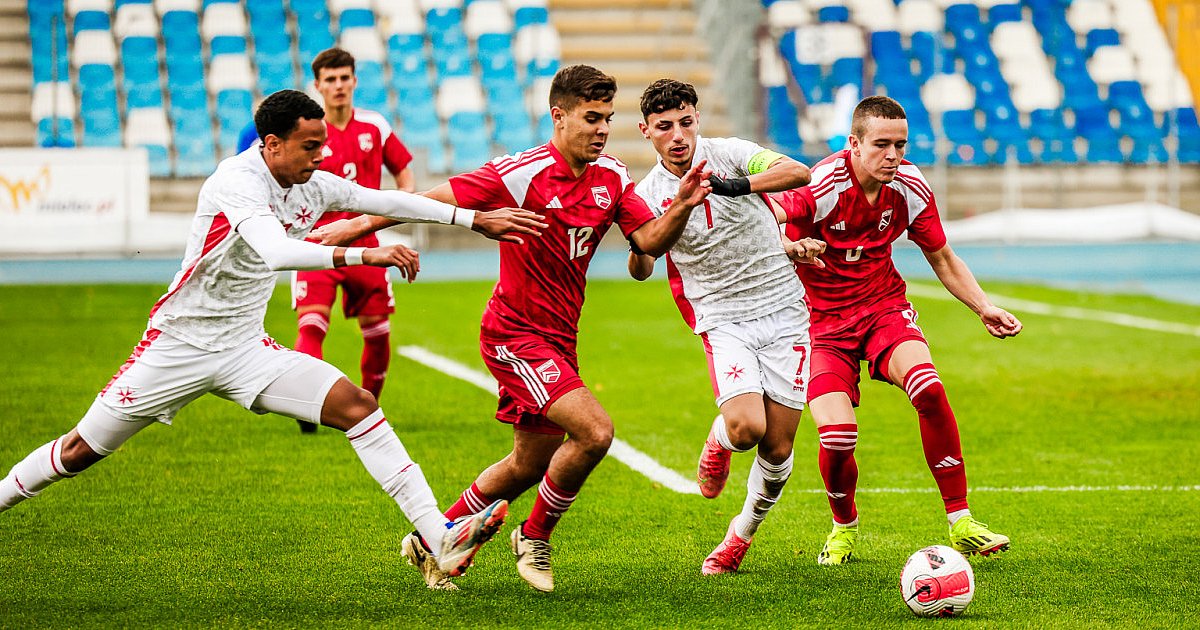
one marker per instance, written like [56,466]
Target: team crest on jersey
[600,194]
[326,152]
[885,220]
[549,371]
[365,142]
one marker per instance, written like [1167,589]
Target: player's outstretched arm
[783,173]
[267,238]
[806,251]
[960,282]
[657,236]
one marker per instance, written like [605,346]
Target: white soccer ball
[937,581]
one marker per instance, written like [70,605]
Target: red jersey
[541,285]
[358,153]
[859,276]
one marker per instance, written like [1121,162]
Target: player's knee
[745,433]
[77,454]
[596,439]
[347,404]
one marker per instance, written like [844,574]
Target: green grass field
[232,519]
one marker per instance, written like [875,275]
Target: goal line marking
[1069,312]
[654,471]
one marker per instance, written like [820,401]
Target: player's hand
[507,224]
[732,187]
[407,260]
[694,186]
[806,251]
[999,322]
[340,232]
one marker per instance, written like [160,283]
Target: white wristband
[354,255]
[463,217]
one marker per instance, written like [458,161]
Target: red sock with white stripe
[33,474]
[377,351]
[839,470]
[939,434]
[384,457]
[552,502]
[472,501]
[311,333]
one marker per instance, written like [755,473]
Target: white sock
[762,491]
[954,516]
[721,434]
[384,457]
[33,474]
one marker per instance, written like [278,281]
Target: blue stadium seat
[234,111]
[49,50]
[1000,13]
[846,71]
[468,141]
[545,127]
[421,127]
[513,130]
[1056,137]
[371,92]
[313,31]
[227,45]
[195,155]
[496,63]
[924,47]
[1093,122]
[91,21]
[101,126]
[1004,126]
[351,18]
[833,13]
[960,128]
[1189,133]
[781,122]
[56,132]
[1104,150]
[1101,37]
[525,16]
[43,10]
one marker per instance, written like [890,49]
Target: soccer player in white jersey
[737,290]
[205,335]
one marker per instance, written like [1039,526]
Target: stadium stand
[462,80]
[1034,81]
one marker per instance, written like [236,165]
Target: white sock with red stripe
[384,457]
[763,488]
[33,474]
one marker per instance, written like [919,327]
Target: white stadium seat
[876,15]
[223,19]
[93,47]
[513,5]
[52,99]
[914,16]
[946,92]
[785,15]
[399,16]
[1045,93]
[459,94]
[486,16]
[771,70]
[429,5]
[165,6]
[1172,93]
[1089,15]
[363,42]
[337,6]
[1112,63]
[537,41]
[539,96]
[75,6]
[135,20]
[230,72]
[147,125]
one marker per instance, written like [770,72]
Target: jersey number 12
[577,241]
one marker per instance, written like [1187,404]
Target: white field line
[620,450]
[1070,312]
[651,469]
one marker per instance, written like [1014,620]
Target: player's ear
[645,129]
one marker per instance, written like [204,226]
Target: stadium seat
[1056,138]
[55,132]
[960,128]
[91,21]
[147,128]
[467,132]
[833,13]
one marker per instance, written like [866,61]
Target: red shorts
[532,375]
[366,290]
[839,348]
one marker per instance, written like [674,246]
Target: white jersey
[729,264]
[219,297]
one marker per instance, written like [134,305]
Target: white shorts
[164,374]
[768,355]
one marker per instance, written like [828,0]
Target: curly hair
[280,112]
[665,94]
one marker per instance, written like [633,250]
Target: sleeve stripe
[915,186]
[829,184]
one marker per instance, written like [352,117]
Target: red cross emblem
[734,372]
[304,216]
[125,396]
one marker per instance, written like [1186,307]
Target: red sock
[472,501]
[377,352]
[552,502]
[939,434]
[839,470]
[311,335]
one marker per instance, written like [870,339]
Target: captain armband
[760,161]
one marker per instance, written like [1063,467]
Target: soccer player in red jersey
[531,322]
[861,200]
[360,144]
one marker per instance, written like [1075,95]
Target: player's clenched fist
[806,251]
[507,224]
[408,261]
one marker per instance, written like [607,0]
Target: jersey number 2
[350,171]
[577,241]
